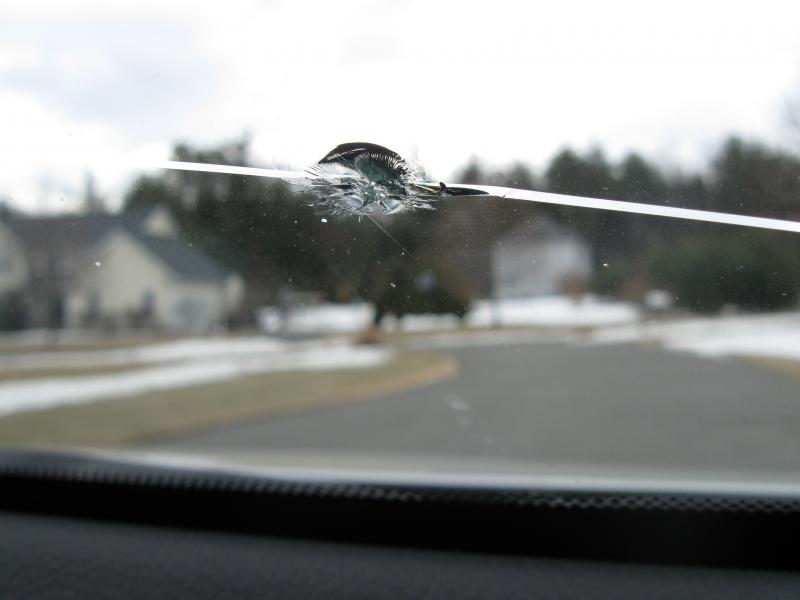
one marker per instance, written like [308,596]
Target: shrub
[427,285]
[13,312]
[753,270]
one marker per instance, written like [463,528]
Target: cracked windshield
[449,238]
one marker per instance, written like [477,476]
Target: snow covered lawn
[318,319]
[774,336]
[552,311]
[767,336]
[544,311]
[190,362]
[186,349]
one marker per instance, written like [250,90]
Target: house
[113,271]
[539,257]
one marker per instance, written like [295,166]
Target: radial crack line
[637,208]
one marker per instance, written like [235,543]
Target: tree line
[277,239]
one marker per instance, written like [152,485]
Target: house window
[148,302]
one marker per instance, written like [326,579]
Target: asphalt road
[614,405]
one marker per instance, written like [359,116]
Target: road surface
[609,405]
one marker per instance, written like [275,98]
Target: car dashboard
[78,525]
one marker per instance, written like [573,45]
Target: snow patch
[552,311]
[542,311]
[773,335]
[317,319]
[187,349]
[47,393]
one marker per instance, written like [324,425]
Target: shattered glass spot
[368,179]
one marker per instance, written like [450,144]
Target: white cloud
[101,87]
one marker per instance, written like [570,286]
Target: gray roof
[74,234]
[61,234]
[183,258]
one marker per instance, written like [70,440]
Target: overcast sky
[103,87]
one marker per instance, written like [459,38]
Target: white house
[102,270]
[539,257]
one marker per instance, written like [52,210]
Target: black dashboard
[80,527]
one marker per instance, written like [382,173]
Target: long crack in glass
[366,179]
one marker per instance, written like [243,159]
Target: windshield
[376,236]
